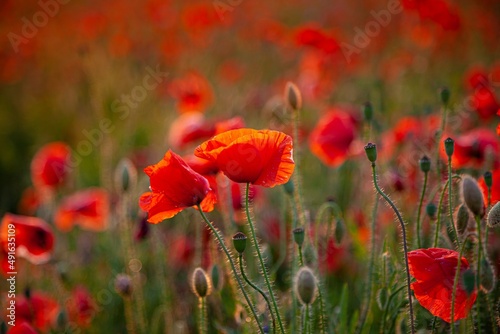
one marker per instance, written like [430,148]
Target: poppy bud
[3,328]
[306,286]
[425,164]
[27,293]
[488,277]
[488,179]
[293,96]
[431,210]
[368,111]
[339,231]
[462,219]
[123,285]
[216,277]
[240,242]
[289,187]
[449,146]
[494,215]
[125,175]
[444,93]
[62,321]
[200,283]
[473,196]
[371,152]
[298,236]
[469,281]
[310,255]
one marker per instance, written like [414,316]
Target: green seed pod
[494,215]
[449,146]
[240,242]
[488,277]
[306,286]
[125,176]
[340,230]
[425,164]
[368,111]
[298,236]
[472,195]
[371,152]
[444,93]
[293,96]
[462,219]
[488,179]
[469,281]
[200,283]
[431,210]
[217,278]
[123,285]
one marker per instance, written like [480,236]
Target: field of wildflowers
[243,166]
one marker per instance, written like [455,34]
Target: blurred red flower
[22,328]
[484,102]
[34,239]
[174,187]
[189,127]
[495,187]
[50,165]
[473,148]
[87,208]
[312,36]
[332,138]
[81,307]
[434,269]
[192,92]
[39,310]
[29,202]
[260,157]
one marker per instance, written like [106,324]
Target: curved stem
[386,307]
[259,290]
[231,263]
[450,204]
[405,246]
[261,260]
[419,241]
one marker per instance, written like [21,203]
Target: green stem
[259,290]
[233,267]
[301,259]
[455,284]
[478,274]
[203,316]
[419,241]
[386,307]
[297,194]
[405,246]
[450,202]
[305,323]
[261,260]
[438,140]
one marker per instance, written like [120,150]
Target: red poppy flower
[174,187]
[34,239]
[30,201]
[485,102]
[22,328]
[189,127]
[39,310]
[260,157]
[50,165]
[471,148]
[434,269]
[81,307]
[312,36]
[88,208]
[201,166]
[192,93]
[333,136]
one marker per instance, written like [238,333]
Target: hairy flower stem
[450,204]
[405,246]
[261,260]
[233,267]
[369,283]
[297,182]
[438,140]
[202,323]
[478,273]
[419,240]
[305,321]
[259,290]
[440,207]
[455,284]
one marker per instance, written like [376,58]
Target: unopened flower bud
[200,283]
[123,285]
[449,146]
[494,216]
[217,278]
[289,187]
[371,152]
[462,219]
[445,95]
[469,281]
[293,96]
[306,286]
[488,179]
[339,232]
[62,321]
[240,242]
[431,210]
[425,164]
[472,195]
[298,236]
[125,175]
[368,111]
